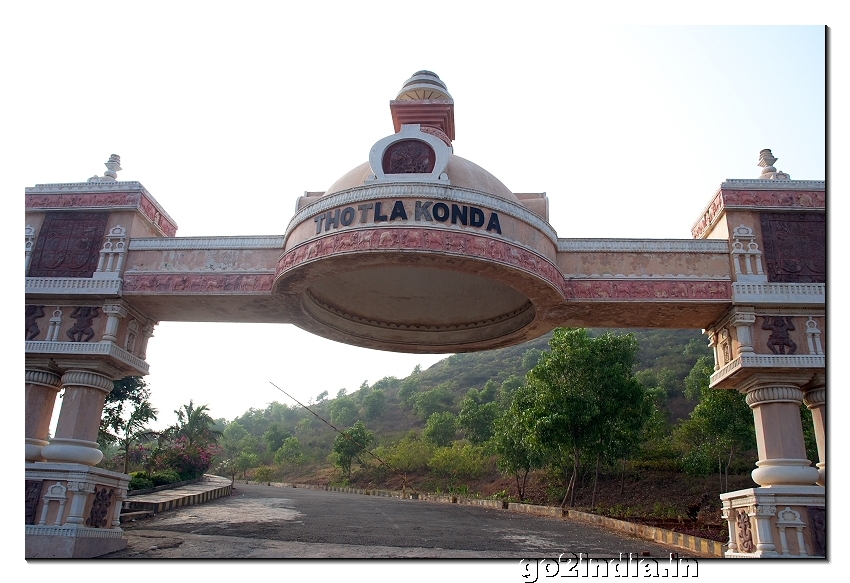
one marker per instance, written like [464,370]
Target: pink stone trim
[198,283]
[813,199]
[104,199]
[491,249]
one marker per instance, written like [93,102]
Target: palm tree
[135,430]
[195,425]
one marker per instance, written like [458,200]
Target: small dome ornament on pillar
[769,171]
[113,166]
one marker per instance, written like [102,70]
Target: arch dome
[461,172]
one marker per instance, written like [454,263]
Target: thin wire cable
[346,436]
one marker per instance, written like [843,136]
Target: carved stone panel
[794,247]
[817,515]
[100,508]
[409,157]
[31,500]
[68,245]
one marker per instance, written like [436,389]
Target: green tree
[343,411]
[440,429]
[264,474]
[517,451]
[720,426]
[350,444]
[275,437]
[127,393]
[246,461]
[135,430]
[586,394]
[374,404]
[476,420]
[289,455]
[195,425]
[436,400]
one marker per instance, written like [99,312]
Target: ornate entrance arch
[420,250]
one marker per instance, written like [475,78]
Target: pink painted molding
[89,200]
[198,283]
[805,199]
[491,249]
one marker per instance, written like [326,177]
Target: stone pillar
[775,401]
[41,387]
[815,400]
[79,418]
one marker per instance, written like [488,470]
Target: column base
[776,522]
[58,542]
[73,510]
[72,451]
[32,449]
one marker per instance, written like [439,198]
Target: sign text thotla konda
[377,212]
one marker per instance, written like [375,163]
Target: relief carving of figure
[33,313]
[745,532]
[779,337]
[82,331]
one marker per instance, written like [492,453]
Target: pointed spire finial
[113,166]
[769,171]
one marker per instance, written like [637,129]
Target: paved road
[270,522]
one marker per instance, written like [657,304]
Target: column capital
[115,310]
[43,378]
[774,394]
[89,379]
[815,398]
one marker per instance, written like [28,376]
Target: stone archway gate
[419,250]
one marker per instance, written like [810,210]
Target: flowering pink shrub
[189,461]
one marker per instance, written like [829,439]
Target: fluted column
[776,403]
[815,401]
[41,388]
[79,418]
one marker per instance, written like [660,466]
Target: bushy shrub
[167,476]
[189,461]
[140,481]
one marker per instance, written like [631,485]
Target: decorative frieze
[643,246]
[198,283]
[794,246]
[211,243]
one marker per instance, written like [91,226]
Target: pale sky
[228,112]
